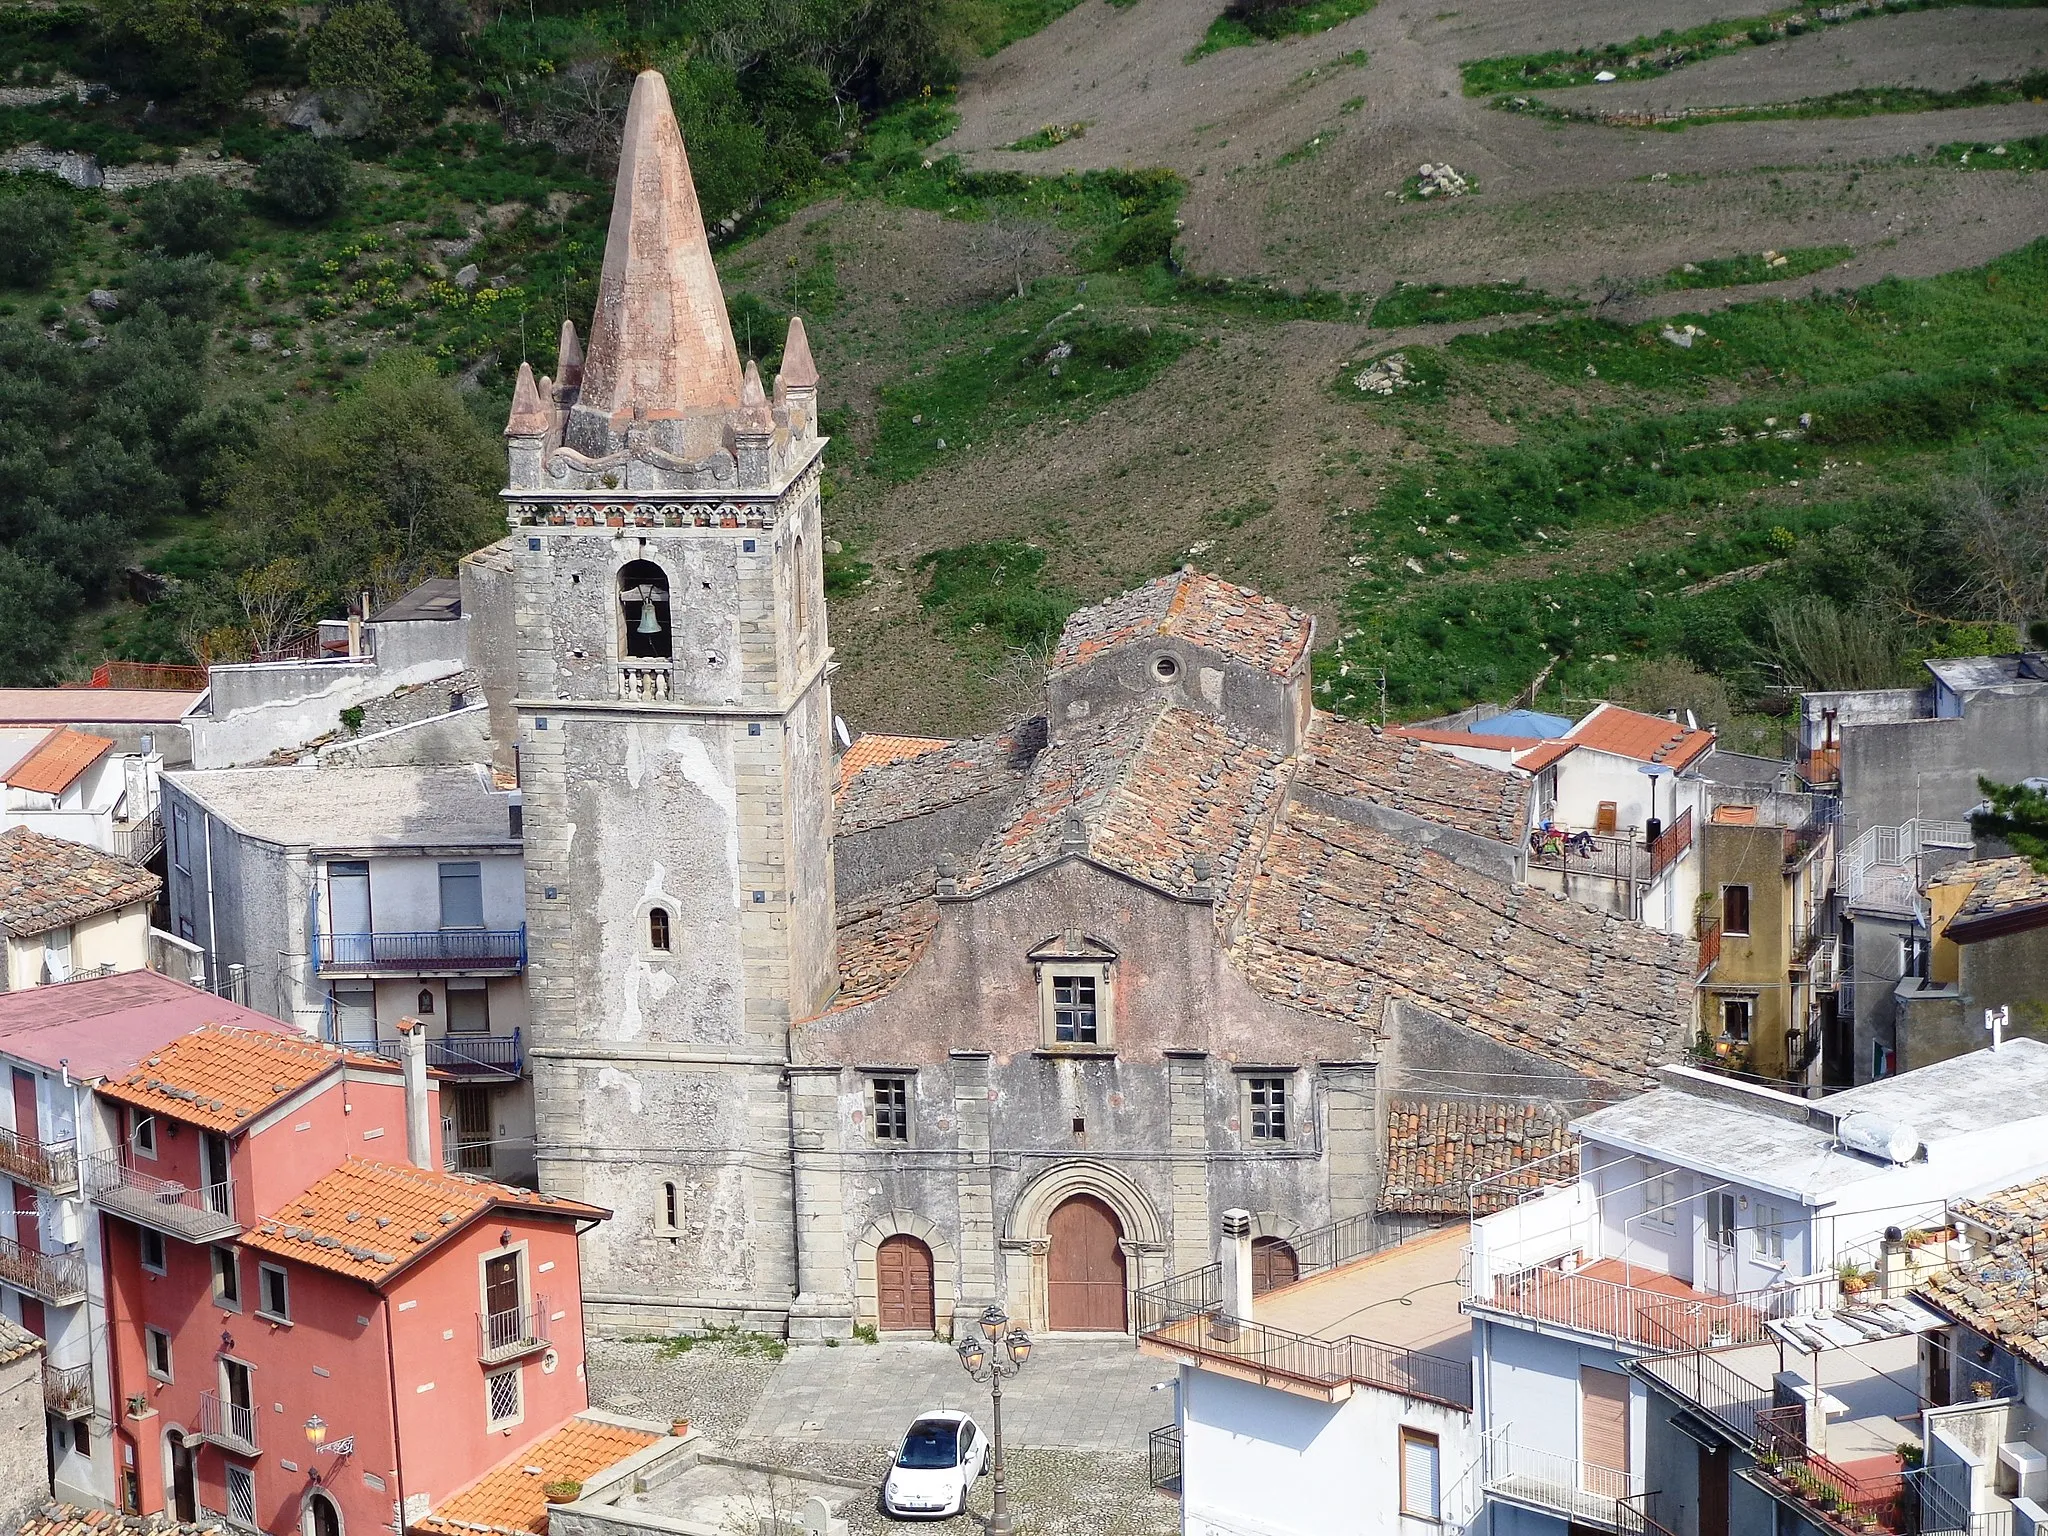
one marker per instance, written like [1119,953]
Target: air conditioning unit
[65,1223]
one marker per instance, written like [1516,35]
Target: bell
[649,624]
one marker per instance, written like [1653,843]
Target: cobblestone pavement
[1074,1395]
[862,1396]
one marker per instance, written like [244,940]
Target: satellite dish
[839,728]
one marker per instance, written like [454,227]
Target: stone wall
[24,1466]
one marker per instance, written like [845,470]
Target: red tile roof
[1646,738]
[57,761]
[2004,1293]
[369,1220]
[1540,757]
[47,882]
[221,1078]
[509,1499]
[55,1519]
[103,1026]
[1199,608]
[873,751]
[938,774]
[1394,770]
[1439,1148]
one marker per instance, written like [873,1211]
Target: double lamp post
[989,1355]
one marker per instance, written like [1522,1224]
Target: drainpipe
[412,1059]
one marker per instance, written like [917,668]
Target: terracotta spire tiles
[568,358]
[529,416]
[660,345]
[798,370]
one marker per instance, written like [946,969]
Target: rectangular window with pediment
[1076,994]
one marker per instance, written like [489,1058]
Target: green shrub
[38,225]
[994,590]
[364,48]
[303,180]
[192,216]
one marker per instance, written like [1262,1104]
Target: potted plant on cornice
[563,1490]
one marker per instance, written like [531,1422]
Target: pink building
[312,1327]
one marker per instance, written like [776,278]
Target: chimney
[419,1124]
[1234,1258]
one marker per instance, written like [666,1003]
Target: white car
[942,1455]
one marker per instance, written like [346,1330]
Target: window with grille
[892,1109]
[1419,1480]
[501,1392]
[657,929]
[1073,1010]
[241,1497]
[1268,1108]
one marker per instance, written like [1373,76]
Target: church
[872,1035]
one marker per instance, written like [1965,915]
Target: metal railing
[1163,1456]
[1710,948]
[57,1278]
[51,1166]
[453,949]
[518,1331]
[1930,1509]
[1882,867]
[231,1426]
[201,1215]
[148,675]
[138,841]
[460,1054]
[1671,845]
[1636,1515]
[67,1390]
[1784,1457]
[1653,1319]
[1697,1378]
[1582,1493]
[1600,855]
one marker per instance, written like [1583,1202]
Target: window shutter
[1418,1476]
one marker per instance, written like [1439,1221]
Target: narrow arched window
[644,612]
[671,1206]
[322,1518]
[657,929]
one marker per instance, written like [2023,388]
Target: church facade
[873,1038]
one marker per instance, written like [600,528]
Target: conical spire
[798,371]
[529,416]
[754,415]
[569,358]
[660,341]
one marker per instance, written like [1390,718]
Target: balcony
[57,1279]
[67,1390]
[138,841]
[231,1426]
[459,1055]
[447,952]
[648,681]
[1295,1343]
[503,1336]
[1600,1498]
[1671,845]
[205,1215]
[1652,1312]
[51,1166]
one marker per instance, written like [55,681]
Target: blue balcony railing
[458,1054]
[417,954]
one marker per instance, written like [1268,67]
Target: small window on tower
[657,929]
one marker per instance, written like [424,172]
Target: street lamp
[989,1355]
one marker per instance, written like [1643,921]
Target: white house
[73,785]
[1728,1253]
[1334,1404]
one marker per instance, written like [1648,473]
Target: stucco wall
[1892,773]
[1257,702]
[24,1470]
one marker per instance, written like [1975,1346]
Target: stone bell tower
[674,746]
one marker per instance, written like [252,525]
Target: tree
[277,604]
[192,216]
[1826,647]
[37,228]
[304,180]
[2000,529]
[190,50]
[1671,682]
[2018,816]
[364,48]
[396,476]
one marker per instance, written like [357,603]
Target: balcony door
[1603,1432]
[472,1127]
[184,1480]
[28,1225]
[26,1124]
[348,910]
[1720,1276]
[219,1197]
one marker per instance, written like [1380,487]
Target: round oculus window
[1165,668]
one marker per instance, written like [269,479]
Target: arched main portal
[1086,1284]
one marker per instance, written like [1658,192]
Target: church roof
[1197,607]
[888,779]
[1361,762]
[1439,1148]
[660,342]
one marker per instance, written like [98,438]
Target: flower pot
[679,1428]
[558,1496]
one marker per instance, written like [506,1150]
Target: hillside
[1109,308]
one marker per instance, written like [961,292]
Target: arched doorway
[184,1490]
[1084,1286]
[903,1285]
[322,1518]
[1273,1265]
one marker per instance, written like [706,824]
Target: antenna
[1383,696]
